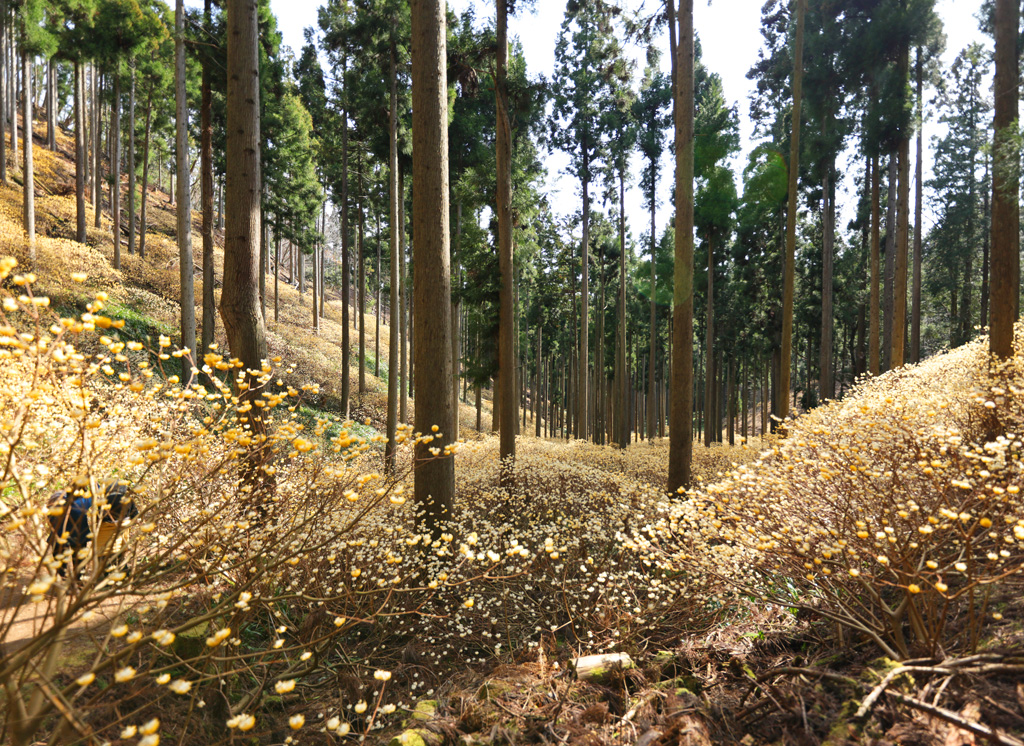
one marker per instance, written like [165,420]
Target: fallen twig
[978,729]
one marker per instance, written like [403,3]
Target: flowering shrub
[218,609]
[895,512]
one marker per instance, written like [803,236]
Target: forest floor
[742,670]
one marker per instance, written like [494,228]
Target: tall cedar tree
[1005,281]
[434,478]
[680,452]
[580,95]
[240,301]
[506,341]
[650,111]
[789,272]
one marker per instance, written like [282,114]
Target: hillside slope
[146,291]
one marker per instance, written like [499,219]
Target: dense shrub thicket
[314,608]
[896,513]
[217,610]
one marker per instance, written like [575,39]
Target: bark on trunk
[403,371]
[51,104]
[346,307]
[28,173]
[80,216]
[97,169]
[825,387]
[789,273]
[1006,188]
[653,333]
[434,475]
[874,343]
[380,287]
[681,424]
[13,87]
[115,166]
[206,187]
[899,305]
[986,229]
[145,174]
[184,209]
[5,98]
[890,265]
[709,347]
[506,350]
[391,448]
[131,164]
[915,309]
[240,302]
[624,392]
[362,295]
[456,319]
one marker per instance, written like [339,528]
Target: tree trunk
[506,350]
[730,409]
[28,174]
[79,101]
[624,391]
[184,209]
[145,174]
[131,163]
[316,283]
[915,309]
[583,363]
[403,370]
[986,229]
[115,165]
[890,265]
[346,307]
[277,287]
[681,424]
[391,447]
[321,263]
[899,306]
[874,325]
[97,169]
[709,347]
[538,407]
[51,104]
[434,477]
[456,319]
[380,287]
[652,332]
[13,86]
[206,187]
[264,253]
[825,387]
[240,302]
[5,98]
[597,417]
[789,274]
[362,294]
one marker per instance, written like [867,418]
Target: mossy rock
[491,690]
[681,684]
[416,737]
[668,664]
[191,643]
[426,709]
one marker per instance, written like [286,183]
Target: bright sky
[730,37]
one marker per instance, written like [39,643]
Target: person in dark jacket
[71,529]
